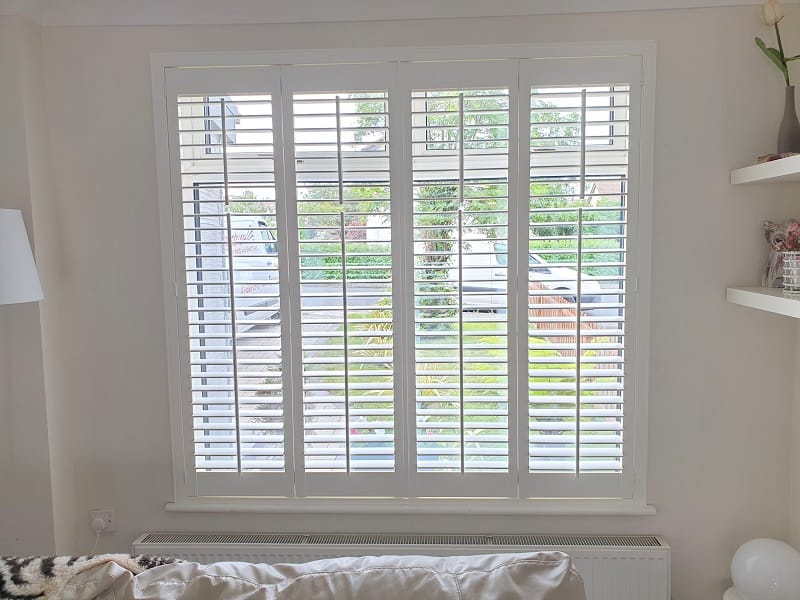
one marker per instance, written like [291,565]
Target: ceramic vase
[789,132]
[791,273]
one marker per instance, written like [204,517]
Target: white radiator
[614,567]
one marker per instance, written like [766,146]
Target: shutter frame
[398,223]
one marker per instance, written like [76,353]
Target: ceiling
[198,12]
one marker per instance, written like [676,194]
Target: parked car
[255,263]
[484,277]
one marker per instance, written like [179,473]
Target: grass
[446,372]
[491,395]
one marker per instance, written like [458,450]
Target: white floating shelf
[769,299]
[784,169]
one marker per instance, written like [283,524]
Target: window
[406,280]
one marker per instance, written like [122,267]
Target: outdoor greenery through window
[404,281]
[345,251]
[460,153]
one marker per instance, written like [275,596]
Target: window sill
[434,506]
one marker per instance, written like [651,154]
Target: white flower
[772,12]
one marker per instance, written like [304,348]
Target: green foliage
[374,114]
[548,123]
[370,261]
[246,202]
[776,56]
[560,219]
[485,120]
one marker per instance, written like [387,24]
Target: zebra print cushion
[30,578]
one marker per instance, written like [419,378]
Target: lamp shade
[19,281]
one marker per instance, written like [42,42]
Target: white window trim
[423,506]
[641,177]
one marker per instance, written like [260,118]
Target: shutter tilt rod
[340,174]
[231,283]
[578,350]
[583,144]
[578,294]
[461,276]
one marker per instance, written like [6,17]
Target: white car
[565,279]
[484,277]
[255,263]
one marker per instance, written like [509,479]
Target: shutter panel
[344,229]
[577,294]
[578,217]
[229,228]
[340,142]
[460,144]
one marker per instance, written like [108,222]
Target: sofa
[532,576]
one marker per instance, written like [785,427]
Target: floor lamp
[19,281]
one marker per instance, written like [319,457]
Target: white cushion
[533,576]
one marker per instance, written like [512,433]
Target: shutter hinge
[635,284]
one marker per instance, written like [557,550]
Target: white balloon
[766,569]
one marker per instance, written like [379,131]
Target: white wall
[721,375]
[26,515]
[5,426]
[794,475]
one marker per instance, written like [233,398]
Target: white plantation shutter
[578,215]
[460,140]
[378,269]
[343,149]
[346,315]
[230,238]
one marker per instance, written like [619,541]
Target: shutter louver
[578,224]
[230,237]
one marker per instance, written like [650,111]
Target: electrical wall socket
[107,515]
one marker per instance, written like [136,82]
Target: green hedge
[366,256]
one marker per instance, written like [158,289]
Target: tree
[246,202]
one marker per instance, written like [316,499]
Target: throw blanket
[43,577]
